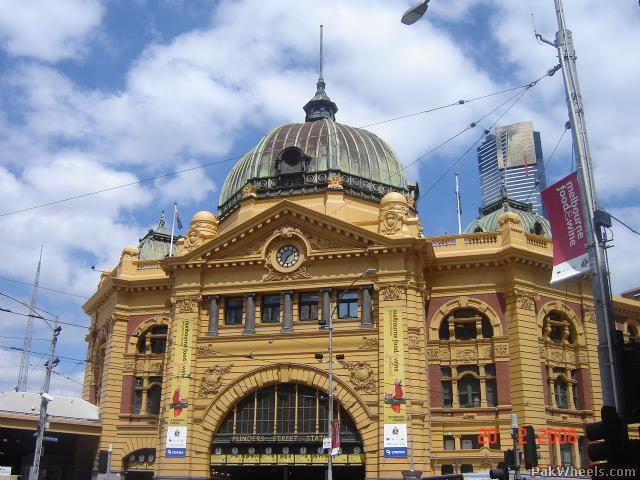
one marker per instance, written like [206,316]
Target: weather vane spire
[321,58]
[320,106]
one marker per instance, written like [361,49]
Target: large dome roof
[299,158]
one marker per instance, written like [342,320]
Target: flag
[178,219]
[335,437]
[568,230]
[526,165]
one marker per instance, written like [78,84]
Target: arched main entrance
[276,433]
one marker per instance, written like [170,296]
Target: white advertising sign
[5,471]
[176,442]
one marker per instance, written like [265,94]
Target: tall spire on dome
[320,106]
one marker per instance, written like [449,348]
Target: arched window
[154,340]
[469,391]
[465,324]
[557,328]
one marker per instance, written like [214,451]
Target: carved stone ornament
[589,314]
[212,379]
[186,304]
[486,353]
[192,240]
[414,342]
[543,352]
[501,350]
[392,217]
[362,377]
[525,300]
[249,191]
[557,356]
[583,358]
[273,274]
[391,292]
[438,353]
[129,365]
[206,351]
[467,354]
[334,182]
[289,231]
[369,344]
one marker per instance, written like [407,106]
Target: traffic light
[500,473]
[630,365]
[613,430]
[509,458]
[530,448]
[103,460]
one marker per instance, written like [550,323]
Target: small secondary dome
[493,214]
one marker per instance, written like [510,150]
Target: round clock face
[287,256]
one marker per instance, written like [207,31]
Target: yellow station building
[204,364]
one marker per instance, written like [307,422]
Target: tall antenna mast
[458,205]
[23,374]
[321,59]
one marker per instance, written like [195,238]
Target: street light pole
[596,219]
[45,398]
[368,271]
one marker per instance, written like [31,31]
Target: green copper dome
[310,157]
[489,216]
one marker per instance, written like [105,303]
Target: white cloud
[48,30]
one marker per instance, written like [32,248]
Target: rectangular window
[348,305]
[244,415]
[566,454]
[449,442]
[469,442]
[447,395]
[306,410]
[574,390]
[233,311]
[270,308]
[445,372]
[286,409]
[136,408]
[308,307]
[446,469]
[492,393]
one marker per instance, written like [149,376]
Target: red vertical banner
[568,228]
[335,437]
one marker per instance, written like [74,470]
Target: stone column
[326,305]
[214,313]
[287,319]
[365,321]
[250,317]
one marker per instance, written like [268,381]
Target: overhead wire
[236,157]
[40,287]
[624,224]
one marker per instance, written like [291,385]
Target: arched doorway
[139,465]
[275,433]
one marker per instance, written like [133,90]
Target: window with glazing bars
[348,305]
[270,308]
[308,306]
[233,311]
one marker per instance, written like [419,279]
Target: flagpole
[173,225]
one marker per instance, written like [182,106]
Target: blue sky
[96,94]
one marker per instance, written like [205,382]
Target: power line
[19,349]
[43,288]
[198,167]
[31,315]
[624,224]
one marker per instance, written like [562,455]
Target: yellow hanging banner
[179,403]
[395,414]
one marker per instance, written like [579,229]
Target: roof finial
[320,106]
[162,221]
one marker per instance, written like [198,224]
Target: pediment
[320,233]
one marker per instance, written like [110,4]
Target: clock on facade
[287,256]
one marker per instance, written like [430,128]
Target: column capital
[250,295]
[287,292]
[326,290]
[213,297]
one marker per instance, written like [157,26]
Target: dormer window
[291,160]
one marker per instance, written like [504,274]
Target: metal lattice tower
[23,374]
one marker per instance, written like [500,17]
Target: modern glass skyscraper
[512,157]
